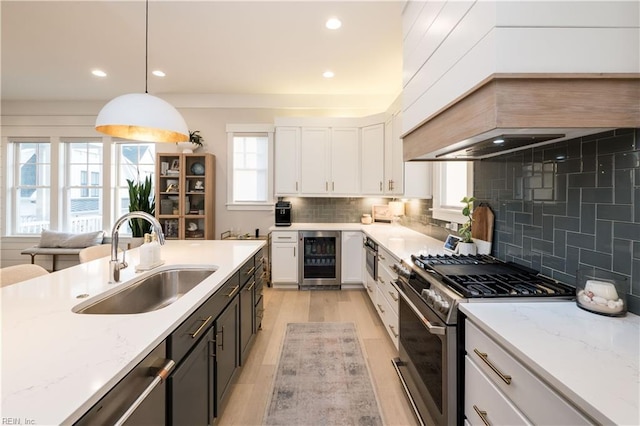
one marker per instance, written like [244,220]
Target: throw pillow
[55,239]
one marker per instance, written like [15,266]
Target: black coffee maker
[283,213]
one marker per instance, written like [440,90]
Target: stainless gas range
[431,345]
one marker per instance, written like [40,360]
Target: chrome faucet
[114,264]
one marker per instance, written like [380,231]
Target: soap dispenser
[155,249]
[146,253]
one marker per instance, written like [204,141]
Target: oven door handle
[433,329]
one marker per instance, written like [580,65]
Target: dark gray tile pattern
[568,205]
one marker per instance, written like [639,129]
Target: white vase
[187,147]
[467,248]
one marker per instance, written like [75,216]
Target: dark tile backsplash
[568,205]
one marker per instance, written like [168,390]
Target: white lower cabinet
[484,404]
[386,300]
[284,258]
[519,396]
[352,257]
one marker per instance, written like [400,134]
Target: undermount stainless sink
[149,293]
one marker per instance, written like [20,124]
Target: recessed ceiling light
[99,73]
[333,23]
[328,74]
[158,73]
[498,141]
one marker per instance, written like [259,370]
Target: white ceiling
[205,47]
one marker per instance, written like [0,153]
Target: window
[73,185]
[134,161]
[83,199]
[250,158]
[453,180]
[31,196]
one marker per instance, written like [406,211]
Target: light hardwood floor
[251,391]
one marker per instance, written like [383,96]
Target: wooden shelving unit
[185,195]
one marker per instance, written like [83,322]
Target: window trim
[233,129]
[443,213]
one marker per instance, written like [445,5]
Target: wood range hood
[525,110]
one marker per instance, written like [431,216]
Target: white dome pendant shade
[142,117]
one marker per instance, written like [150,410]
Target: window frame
[246,129]
[439,211]
[66,186]
[13,187]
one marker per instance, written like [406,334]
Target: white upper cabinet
[287,151]
[393,162]
[345,157]
[314,160]
[372,149]
[338,157]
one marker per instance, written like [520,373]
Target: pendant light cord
[146,47]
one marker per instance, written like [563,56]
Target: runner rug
[322,379]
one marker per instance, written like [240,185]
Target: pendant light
[141,116]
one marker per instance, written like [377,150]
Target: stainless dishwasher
[138,399]
[319,260]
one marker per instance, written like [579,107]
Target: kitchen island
[592,361]
[57,364]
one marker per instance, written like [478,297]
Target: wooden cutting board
[482,227]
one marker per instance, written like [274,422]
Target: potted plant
[467,246]
[141,199]
[195,142]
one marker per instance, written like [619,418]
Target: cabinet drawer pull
[263,275]
[483,356]
[380,307]
[296,186]
[369,288]
[482,414]
[393,296]
[380,280]
[381,257]
[261,260]
[204,322]
[251,286]
[326,186]
[221,338]
[250,271]
[393,330]
[233,291]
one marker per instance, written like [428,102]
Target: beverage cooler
[319,259]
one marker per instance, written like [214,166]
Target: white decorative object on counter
[601,294]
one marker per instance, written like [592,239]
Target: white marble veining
[592,360]
[399,240]
[57,364]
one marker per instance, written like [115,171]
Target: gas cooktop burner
[485,276]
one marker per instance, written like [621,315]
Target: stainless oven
[431,341]
[427,361]
[371,258]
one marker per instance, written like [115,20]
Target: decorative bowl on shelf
[197,169]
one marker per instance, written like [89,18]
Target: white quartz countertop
[57,364]
[399,240]
[592,360]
